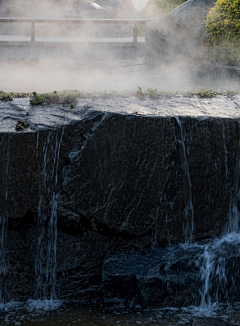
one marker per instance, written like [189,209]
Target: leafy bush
[223,22]
[223,32]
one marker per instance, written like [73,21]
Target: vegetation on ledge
[70,97]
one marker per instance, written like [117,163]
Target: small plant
[22,124]
[6,97]
[140,94]
[70,98]
[152,93]
[37,99]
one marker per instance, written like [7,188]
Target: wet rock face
[132,174]
[126,167]
[177,276]
[179,34]
[152,278]
[131,179]
[208,321]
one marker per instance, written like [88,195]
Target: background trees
[223,32]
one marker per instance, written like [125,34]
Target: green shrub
[223,32]
[223,22]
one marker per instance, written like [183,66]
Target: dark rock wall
[123,187]
[129,176]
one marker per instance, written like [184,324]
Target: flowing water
[217,285]
[46,260]
[188,225]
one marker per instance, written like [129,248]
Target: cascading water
[225,151]
[233,216]
[46,259]
[188,225]
[216,284]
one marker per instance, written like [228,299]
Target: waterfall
[212,262]
[46,258]
[225,151]
[233,216]
[188,224]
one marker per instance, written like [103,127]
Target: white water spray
[188,225]
[46,259]
[233,216]
[225,151]
[216,253]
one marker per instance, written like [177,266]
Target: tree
[223,32]
[223,22]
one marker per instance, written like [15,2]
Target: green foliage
[70,97]
[140,94]
[152,93]
[22,124]
[223,22]
[64,97]
[199,92]
[9,96]
[223,32]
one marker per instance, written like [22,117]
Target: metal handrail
[33,21]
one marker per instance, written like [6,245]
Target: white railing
[33,21]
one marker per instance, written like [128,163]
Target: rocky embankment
[132,175]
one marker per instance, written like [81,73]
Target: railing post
[32,32]
[135,33]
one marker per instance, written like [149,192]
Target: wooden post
[32,32]
[135,33]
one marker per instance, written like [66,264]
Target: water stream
[216,284]
[212,261]
[46,260]
[188,226]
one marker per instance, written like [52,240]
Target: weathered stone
[126,168]
[178,35]
[153,278]
[171,276]
[208,321]
[123,173]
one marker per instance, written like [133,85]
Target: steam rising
[82,65]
